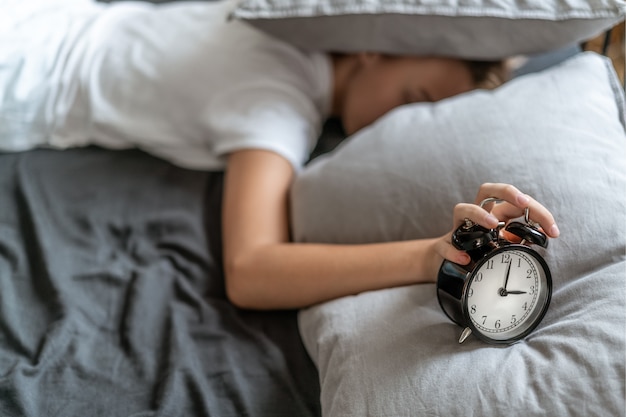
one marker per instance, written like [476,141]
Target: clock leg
[465,334]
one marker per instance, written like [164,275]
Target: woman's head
[369,85]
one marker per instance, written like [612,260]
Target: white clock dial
[506,294]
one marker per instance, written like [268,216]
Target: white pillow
[476,29]
[558,135]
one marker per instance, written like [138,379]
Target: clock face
[507,294]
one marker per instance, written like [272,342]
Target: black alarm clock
[504,292]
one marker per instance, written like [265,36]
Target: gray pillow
[477,29]
[558,135]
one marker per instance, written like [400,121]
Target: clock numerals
[506,258]
[496,324]
[503,292]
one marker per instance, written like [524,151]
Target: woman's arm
[265,271]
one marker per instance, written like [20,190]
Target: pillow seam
[248,12]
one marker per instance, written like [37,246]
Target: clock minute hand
[508,273]
[503,292]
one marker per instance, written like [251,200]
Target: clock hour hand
[515,292]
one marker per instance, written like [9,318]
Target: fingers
[505,192]
[474,213]
[537,214]
[513,206]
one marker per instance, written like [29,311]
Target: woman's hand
[513,204]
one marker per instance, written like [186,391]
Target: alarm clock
[504,292]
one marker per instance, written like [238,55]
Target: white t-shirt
[178,80]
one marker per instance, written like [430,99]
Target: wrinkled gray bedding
[112,298]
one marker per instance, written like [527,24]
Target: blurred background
[615,45]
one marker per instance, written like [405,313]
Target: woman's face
[381,83]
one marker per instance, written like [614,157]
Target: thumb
[444,248]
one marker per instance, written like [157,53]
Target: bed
[112,298]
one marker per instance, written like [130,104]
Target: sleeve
[268,115]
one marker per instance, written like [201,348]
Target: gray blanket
[112,298]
